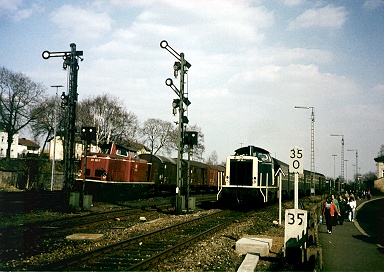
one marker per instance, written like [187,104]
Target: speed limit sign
[296,160]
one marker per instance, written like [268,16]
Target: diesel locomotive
[113,162]
[251,178]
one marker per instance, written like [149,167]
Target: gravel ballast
[216,253]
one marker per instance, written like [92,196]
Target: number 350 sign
[296,160]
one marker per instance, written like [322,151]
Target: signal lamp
[64,100]
[176,103]
[163,44]
[168,82]
[46,55]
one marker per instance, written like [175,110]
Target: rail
[142,251]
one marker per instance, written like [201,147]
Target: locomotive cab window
[264,157]
[121,152]
[261,154]
[105,150]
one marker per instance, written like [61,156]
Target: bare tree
[45,122]
[367,180]
[19,97]
[213,158]
[381,152]
[112,121]
[159,135]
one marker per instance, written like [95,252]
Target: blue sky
[252,63]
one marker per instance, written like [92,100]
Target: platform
[349,248]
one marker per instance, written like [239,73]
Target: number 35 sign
[295,227]
[296,160]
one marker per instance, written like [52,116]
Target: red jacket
[332,209]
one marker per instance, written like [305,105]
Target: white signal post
[280,174]
[295,219]
[296,167]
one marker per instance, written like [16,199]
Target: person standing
[352,206]
[329,212]
[335,219]
[343,209]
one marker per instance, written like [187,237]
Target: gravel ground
[218,253]
[214,254]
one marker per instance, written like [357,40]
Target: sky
[252,62]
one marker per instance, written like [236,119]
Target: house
[27,147]
[4,143]
[379,183]
[56,151]
[380,167]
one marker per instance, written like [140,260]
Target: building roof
[28,143]
[379,159]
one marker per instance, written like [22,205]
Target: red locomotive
[114,163]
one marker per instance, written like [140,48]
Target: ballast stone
[254,245]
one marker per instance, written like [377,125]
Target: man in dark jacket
[343,209]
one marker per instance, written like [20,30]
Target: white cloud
[237,25]
[327,17]
[373,4]
[295,81]
[379,87]
[131,4]
[283,55]
[84,24]
[22,14]
[216,93]
[9,5]
[293,2]
[17,11]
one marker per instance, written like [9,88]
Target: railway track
[143,251]
[31,236]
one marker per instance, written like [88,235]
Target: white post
[296,190]
[280,195]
